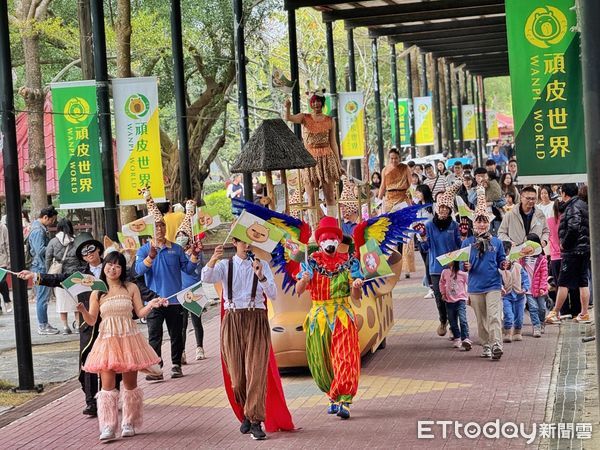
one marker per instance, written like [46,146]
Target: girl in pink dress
[120,347]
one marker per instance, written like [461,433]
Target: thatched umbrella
[273,146]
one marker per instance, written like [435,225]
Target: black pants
[198,329]
[4,291]
[173,315]
[441,306]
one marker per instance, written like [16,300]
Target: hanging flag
[280,82]
[547,97]
[193,299]
[423,121]
[77,145]
[139,227]
[295,250]
[469,123]
[79,283]
[373,262]
[461,254]
[352,124]
[516,251]
[206,218]
[404,121]
[492,125]
[455,123]
[256,231]
[138,139]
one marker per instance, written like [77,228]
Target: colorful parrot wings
[294,230]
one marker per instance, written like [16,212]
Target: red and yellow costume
[332,345]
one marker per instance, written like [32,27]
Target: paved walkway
[417,377]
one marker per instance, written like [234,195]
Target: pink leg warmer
[108,409]
[133,403]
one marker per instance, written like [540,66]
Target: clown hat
[186,225]
[481,209]
[152,207]
[446,198]
[328,225]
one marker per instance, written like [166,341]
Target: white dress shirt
[243,275]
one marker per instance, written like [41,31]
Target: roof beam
[473,44]
[481,37]
[453,13]
[500,51]
[437,29]
[456,33]
[420,8]
[297,4]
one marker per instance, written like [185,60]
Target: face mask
[329,245]
[181,240]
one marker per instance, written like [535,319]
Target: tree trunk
[33,96]
[87,73]
[123,32]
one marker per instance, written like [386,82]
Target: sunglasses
[88,250]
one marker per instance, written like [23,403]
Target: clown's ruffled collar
[331,264]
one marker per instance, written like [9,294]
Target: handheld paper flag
[139,227]
[279,81]
[373,262]
[457,255]
[205,219]
[193,298]
[257,232]
[79,283]
[3,273]
[516,252]
[295,250]
[463,209]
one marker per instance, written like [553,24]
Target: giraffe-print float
[374,319]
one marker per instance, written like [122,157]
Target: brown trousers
[245,344]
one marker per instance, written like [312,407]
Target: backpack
[28,254]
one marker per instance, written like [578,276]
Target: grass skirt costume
[120,347]
[332,347]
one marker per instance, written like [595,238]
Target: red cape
[277,414]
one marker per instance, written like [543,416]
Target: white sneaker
[107,433]
[127,430]
[456,343]
[429,294]
[200,353]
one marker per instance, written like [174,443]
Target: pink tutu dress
[120,347]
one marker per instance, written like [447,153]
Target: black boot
[91,410]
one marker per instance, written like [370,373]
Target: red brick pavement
[417,377]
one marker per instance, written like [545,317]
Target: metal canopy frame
[463,32]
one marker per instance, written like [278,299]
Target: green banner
[545,75]
[455,123]
[404,123]
[77,144]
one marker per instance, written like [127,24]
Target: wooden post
[270,190]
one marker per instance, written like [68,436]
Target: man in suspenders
[245,333]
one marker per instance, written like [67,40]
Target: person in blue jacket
[161,262]
[486,258]
[439,236]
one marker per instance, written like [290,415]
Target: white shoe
[200,353]
[429,294]
[107,433]
[127,430]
